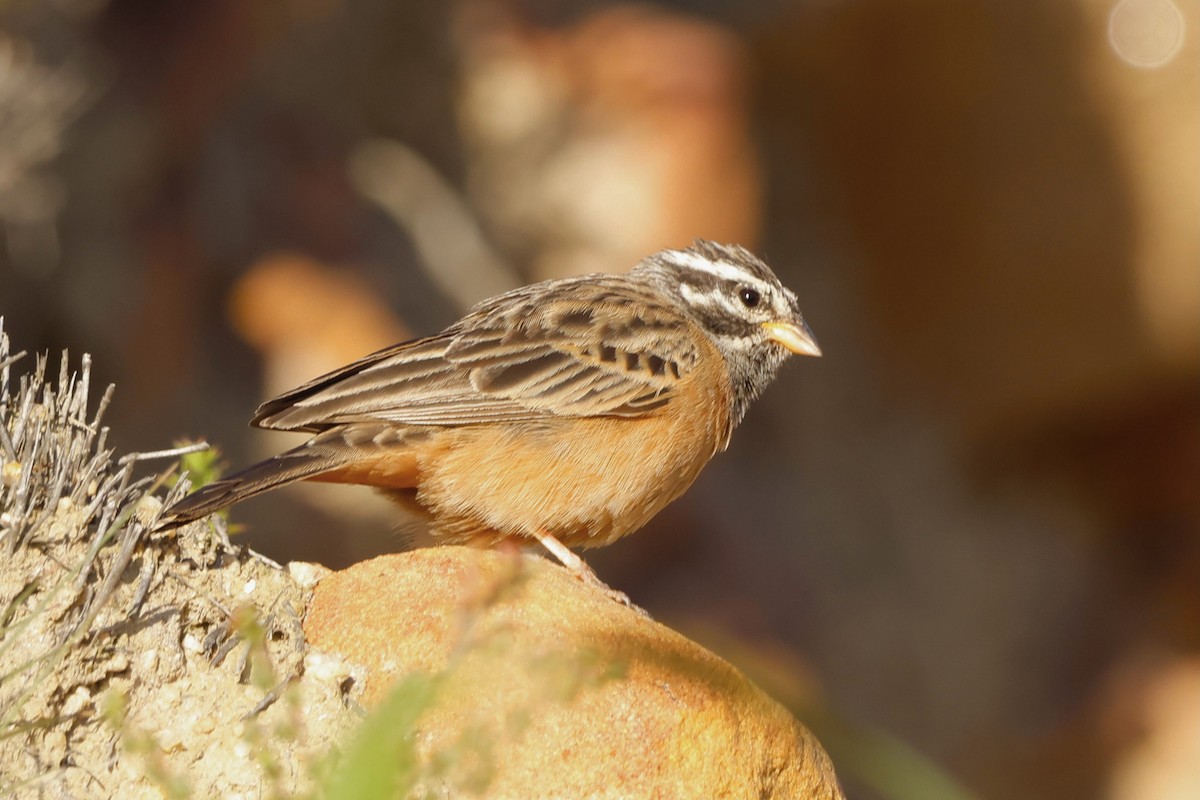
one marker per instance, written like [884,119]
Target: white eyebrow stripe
[694,297]
[721,269]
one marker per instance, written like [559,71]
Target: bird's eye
[749,297]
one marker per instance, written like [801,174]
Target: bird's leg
[579,568]
[569,560]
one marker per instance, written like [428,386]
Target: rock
[549,689]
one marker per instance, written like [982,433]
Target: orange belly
[605,479]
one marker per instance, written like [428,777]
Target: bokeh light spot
[1146,33]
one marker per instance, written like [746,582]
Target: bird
[567,412]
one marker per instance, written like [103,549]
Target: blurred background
[965,544]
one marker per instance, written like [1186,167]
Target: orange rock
[557,690]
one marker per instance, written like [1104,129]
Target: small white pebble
[325,666]
[76,702]
[206,724]
[169,740]
[169,695]
[250,586]
[192,643]
[241,750]
[64,505]
[307,574]
[148,661]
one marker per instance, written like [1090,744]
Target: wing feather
[567,348]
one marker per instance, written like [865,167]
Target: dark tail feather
[294,465]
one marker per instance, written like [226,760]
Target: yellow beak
[796,337]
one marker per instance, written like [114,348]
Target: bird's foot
[579,568]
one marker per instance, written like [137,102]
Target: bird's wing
[599,348]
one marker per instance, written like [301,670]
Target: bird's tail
[294,465]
